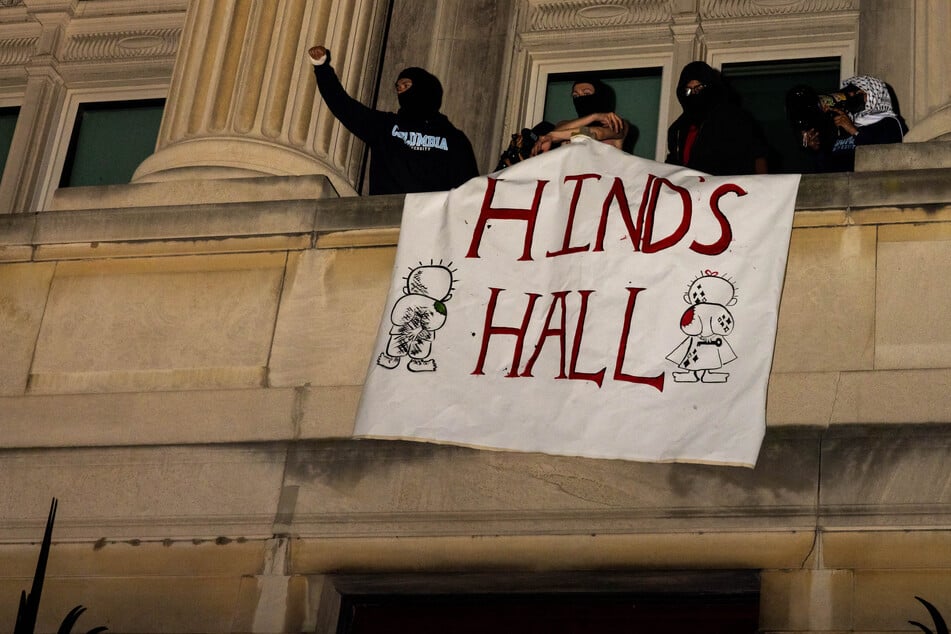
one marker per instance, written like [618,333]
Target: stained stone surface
[913,264]
[827,267]
[162,323]
[23,291]
[329,314]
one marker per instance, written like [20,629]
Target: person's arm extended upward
[359,119]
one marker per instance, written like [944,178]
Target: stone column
[243,98]
[906,45]
[932,96]
[687,36]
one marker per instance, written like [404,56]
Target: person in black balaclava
[421,96]
[590,96]
[415,149]
[713,134]
[594,103]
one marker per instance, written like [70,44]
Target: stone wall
[182,360]
[183,376]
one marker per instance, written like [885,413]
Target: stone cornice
[123,37]
[121,45]
[724,9]
[17,50]
[90,8]
[558,15]
[90,36]
[554,16]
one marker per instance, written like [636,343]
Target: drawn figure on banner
[416,316]
[706,323]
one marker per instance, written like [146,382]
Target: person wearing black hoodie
[713,135]
[415,149]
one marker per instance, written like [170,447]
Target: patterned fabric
[878,101]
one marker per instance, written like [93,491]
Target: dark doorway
[555,613]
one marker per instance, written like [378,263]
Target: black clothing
[520,147]
[414,150]
[601,100]
[873,117]
[728,141]
[424,99]
[841,157]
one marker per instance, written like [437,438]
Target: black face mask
[412,102]
[697,105]
[854,103]
[590,104]
[424,97]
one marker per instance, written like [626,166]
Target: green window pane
[638,100]
[110,140]
[8,123]
[762,88]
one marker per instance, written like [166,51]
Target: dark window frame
[784,155]
[69,162]
[6,111]
[645,144]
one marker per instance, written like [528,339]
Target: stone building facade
[183,354]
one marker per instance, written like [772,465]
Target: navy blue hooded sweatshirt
[415,149]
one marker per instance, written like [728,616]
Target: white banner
[585,302]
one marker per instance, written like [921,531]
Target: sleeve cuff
[318,62]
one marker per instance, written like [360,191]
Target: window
[8,123]
[762,88]
[109,140]
[640,79]
[638,101]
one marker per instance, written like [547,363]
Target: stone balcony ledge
[295,213]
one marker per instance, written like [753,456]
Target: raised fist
[317,53]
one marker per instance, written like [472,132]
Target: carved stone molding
[123,44]
[578,14]
[16,51]
[554,16]
[720,9]
[10,3]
